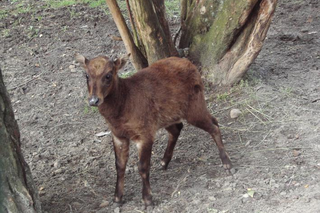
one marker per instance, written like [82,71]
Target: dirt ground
[274,144]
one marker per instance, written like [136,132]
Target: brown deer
[159,96]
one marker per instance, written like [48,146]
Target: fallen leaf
[104,204]
[296,153]
[100,134]
[250,192]
[310,19]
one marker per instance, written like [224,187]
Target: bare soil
[274,144]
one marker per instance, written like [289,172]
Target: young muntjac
[159,96]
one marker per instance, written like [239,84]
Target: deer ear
[81,59]
[120,62]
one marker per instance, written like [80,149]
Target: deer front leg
[121,149]
[144,150]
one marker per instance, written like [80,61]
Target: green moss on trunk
[211,46]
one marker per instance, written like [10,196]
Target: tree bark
[137,58]
[153,29]
[17,191]
[161,13]
[222,36]
[225,36]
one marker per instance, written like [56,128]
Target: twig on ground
[264,138]
[256,116]
[26,82]
[59,125]
[70,208]
[177,188]
[279,148]
[258,111]
[240,130]
[240,137]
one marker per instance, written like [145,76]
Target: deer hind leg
[174,132]
[200,117]
[216,135]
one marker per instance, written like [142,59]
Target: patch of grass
[223,97]
[243,83]
[127,74]
[97,3]
[23,8]
[3,13]
[72,13]
[18,8]
[90,110]
[38,18]
[287,91]
[17,22]
[66,3]
[61,3]
[64,28]
[86,109]
[33,32]
[5,33]
[172,8]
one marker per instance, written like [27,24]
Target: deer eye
[108,76]
[87,76]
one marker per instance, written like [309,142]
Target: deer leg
[174,132]
[216,135]
[121,149]
[210,125]
[144,150]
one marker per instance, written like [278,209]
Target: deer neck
[114,103]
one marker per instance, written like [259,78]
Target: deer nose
[93,101]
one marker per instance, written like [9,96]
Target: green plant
[64,28]
[22,8]
[39,18]
[86,109]
[172,8]
[32,32]
[5,33]
[94,109]
[127,74]
[72,13]
[61,3]
[223,96]
[90,110]
[243,83]
[3,13]
[287,91]
[97,3]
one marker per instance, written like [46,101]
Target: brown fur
[159,96]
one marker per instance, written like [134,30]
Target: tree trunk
[222,36]
[137,58]
[17,191]
[225,36]
[153,29]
